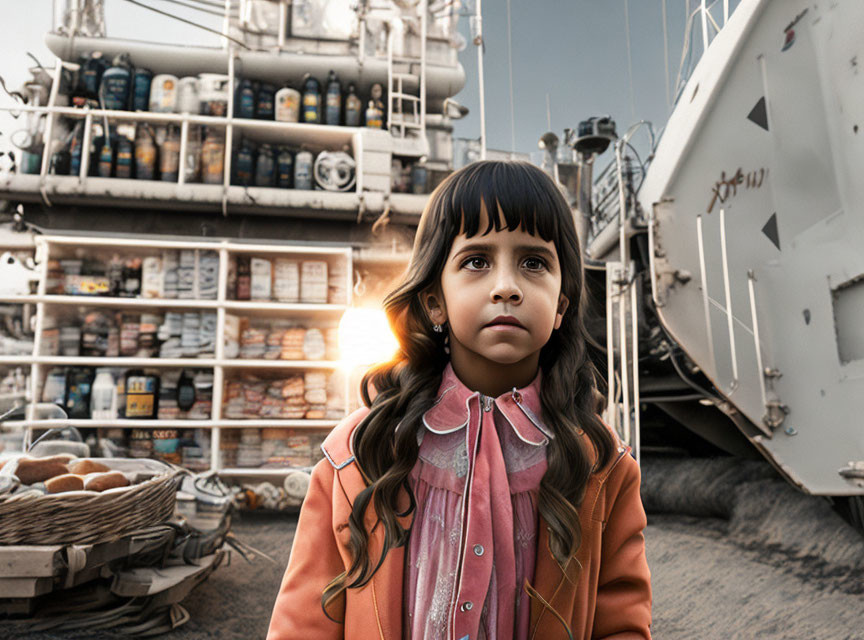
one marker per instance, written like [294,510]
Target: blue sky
[576,52]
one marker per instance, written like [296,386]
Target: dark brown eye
[540,262]
[473,260]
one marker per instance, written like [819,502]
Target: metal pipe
[704,280]
[479,42]
[751,279]
[634,334]
[704,14]
[612,411]
[727,288]
[622,338]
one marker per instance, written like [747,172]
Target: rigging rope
[189,22]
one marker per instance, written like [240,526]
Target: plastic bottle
[287,105]
[246,100]
[141,89]
[265,167]
[311,100]
[90,76]
[353,107]
[125,154]
[333,111]
[145,154]
[213,157]
[285,168]
[374,116]
[169,155]
[106,156]
[303,170]
[264,103]
[192,161]
[116,84]
[244,164]
[103,396]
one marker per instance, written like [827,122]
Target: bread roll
[84,467]
[32,470]
[66,482]
[105,481]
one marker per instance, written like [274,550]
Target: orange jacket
[610,597]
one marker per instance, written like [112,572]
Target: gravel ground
[734,552]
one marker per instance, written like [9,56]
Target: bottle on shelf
[353,107]
[169,155]
[244,164]
[287,105]
[163,93]
[264,103]
[103,396]
[76,144]
[285,168]
[303,169]
[311,100]
[246,100]
[377,95]
[213,157]
[90,75]
[141,81]
[333,109]
[107,149]
[192,160]
[116,84]
[265,166]
[145,153]
[124,155]
[374,116]
[187,95]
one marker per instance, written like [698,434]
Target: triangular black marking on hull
[770,230]
[759,114]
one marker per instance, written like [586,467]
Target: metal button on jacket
[478,549]
[466,606]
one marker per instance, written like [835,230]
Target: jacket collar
[520,407]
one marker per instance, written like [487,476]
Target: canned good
[163,93]
[287,105]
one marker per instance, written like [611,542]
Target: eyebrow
[489,248]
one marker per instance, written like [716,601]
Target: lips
[507,320]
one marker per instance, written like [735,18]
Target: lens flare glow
[365,337]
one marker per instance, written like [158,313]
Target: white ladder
[407,112]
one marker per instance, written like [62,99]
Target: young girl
[478,494]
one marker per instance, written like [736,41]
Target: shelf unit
[50,247]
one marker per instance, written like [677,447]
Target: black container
[285,168]
[124,158]
[246,100]
[265,102]
[265,168]
[310,108]
[141,82]
[79,383]
[90,74]
[333,108]
[244,164]
[116,84]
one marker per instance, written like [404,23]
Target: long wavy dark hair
[407,385]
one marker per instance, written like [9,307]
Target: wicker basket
[79,517]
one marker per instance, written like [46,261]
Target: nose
[506,288]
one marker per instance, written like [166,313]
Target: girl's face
[503,273]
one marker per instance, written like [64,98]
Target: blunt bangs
[526,196]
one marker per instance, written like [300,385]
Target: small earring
[447,344]
[437,328]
